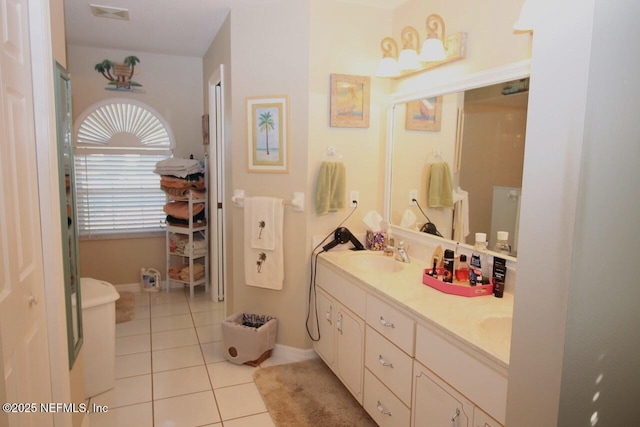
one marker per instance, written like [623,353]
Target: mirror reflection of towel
[331,187]
[439,190]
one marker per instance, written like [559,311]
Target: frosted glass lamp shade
[432,51]
[408,60]
[388,67]
[526,18]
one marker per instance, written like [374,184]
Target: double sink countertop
[482,323]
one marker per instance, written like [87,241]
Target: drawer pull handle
[383,410]
[339,323]
[453,419]
[328,315]
[385,323]
[384,362]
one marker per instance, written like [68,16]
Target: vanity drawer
[482,381]
[391,323]
[390,364]
[385,408]
[349,295]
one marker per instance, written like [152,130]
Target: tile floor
[170,369]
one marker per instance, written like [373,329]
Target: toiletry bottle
[462,272]
[479,260]
[447,275]
[388,244]
[502,245]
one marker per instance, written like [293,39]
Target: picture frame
[350,97]
[268,134]
[424,114]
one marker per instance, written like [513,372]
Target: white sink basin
[498,328]
[376,263]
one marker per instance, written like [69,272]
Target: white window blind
[118,144]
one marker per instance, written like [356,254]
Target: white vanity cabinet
[481,419]
[436,403]
[341,343]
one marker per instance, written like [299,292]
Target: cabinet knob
[383,410]
[385,323]
[384,362]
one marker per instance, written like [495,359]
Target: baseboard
[293,354]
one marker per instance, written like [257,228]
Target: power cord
[312,279]
[429,227]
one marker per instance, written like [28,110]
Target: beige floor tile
[126,391]
[188,410]
[225,374]
[213,351]
[132,365]
[133,327]
[199,306]
[239,401]
[133,344]
[142,312]
[172,309]
[128,416]
[172,339]
[170,323]
[258,420]
[209,333]
[176,358]
[180,381]
[208,317]
[175,296]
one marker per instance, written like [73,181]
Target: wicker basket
[249,338]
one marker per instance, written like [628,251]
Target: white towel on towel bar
[263,268]
[263,216]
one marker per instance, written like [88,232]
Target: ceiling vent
[110,12]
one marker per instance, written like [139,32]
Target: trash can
[249,338]
[99,335]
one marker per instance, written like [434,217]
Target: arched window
[117,145]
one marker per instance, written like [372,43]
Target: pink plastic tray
[461,289]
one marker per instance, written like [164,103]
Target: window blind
[118,193]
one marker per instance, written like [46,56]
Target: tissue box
[375,240]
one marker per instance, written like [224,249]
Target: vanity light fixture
[436,50]
[526,18]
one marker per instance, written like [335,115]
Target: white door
[23,333]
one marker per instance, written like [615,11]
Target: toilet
[99,334]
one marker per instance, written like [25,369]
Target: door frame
[217,184]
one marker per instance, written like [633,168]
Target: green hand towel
[331,187]
[439,190]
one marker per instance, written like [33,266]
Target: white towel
[460,215]
[263,217]
[263,268]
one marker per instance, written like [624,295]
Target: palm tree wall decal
[266,124]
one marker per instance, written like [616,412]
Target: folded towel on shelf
[263,213]
[180,209]
[439,190]
[198,272]
[178,167]
[331,187]
[195,181]
[263,268]
[183,193]
[198,219]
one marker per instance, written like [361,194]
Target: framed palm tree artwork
[268,133]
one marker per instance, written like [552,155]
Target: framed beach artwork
[424,114]
[268,134]
[350,101]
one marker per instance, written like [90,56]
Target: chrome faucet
[401,253]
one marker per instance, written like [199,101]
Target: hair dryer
[341,236]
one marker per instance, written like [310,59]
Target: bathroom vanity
[411,355]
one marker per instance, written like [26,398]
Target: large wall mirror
[68,208]
[477,128]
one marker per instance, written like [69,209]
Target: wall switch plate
[354,196]
[413,194]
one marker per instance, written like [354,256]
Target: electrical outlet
[354,196]
[413,194]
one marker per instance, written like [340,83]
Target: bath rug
[308,394]
[125,307]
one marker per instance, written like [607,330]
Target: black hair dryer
[341,236]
